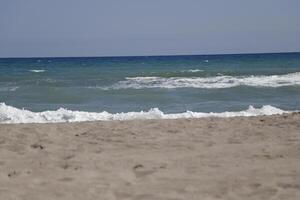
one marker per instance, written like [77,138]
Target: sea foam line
[193,70]
[9,115]
[9,89]
[207,82]
[37,70]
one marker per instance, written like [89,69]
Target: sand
[212,158]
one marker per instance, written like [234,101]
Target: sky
[54,28]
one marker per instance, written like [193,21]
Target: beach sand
[211,158]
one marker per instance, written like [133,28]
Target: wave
[193,70]
[220,81]
[37,70]
[9,89]
[9,114]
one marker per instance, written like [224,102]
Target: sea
[45,90]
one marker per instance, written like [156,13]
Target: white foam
[9,114]
[219,81]
[37,70]
[10,89]
[193,70]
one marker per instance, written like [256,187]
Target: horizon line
[163,55]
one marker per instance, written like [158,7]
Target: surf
[221,81]
[13,115]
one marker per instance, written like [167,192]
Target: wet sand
[212,158]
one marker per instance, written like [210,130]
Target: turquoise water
[174,84]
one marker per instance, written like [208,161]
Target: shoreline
[206,158]
[284,115]
[13,115]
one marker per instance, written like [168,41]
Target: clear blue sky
[33,28]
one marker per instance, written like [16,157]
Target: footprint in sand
[37,146]
[138,171]
[141,171]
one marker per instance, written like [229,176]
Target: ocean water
[81,89]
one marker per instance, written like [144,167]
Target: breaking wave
[220,81]
[9,114]
[37,70]
[193,70]
[8,89]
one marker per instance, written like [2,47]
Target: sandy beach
[210,158]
